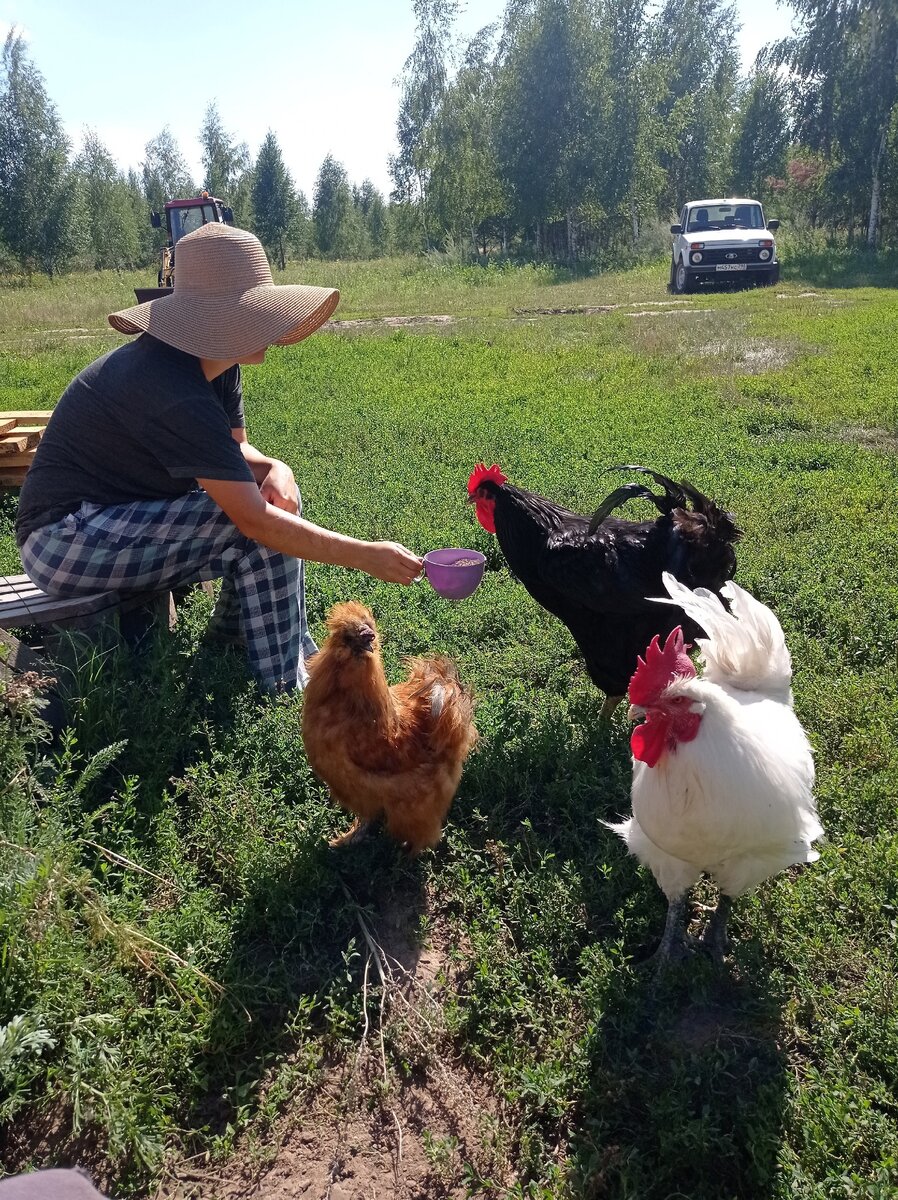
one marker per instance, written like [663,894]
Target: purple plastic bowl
[450,581]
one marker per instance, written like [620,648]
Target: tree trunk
[876,191]
[634,221]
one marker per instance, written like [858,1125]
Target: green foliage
[111,216]
[761,140]
[275,207]
[549,108]
[225,163]
[464,191]
[38,196]
[339,229]
[424,79]
[695,42]
[844,63]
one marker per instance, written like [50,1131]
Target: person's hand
[391,562]
[279,488]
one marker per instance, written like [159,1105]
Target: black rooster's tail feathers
[676,495]
[621,495]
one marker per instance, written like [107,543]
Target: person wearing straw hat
[145,479]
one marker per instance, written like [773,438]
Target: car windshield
[706,217]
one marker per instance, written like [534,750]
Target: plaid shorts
[157,544]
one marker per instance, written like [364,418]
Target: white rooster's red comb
[482,472]
[660,667]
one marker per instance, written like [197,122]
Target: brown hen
[385,752]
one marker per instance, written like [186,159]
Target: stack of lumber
[20,432]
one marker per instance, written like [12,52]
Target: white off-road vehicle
[719,240]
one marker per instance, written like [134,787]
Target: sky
[321,75]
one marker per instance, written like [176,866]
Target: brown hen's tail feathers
[451,704]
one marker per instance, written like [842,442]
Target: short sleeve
[192,440]
[229,386]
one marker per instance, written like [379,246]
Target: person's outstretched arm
[283,531]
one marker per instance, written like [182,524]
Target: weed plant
[182,958]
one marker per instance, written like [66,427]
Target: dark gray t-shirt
[140,423]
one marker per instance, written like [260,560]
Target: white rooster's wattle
[723,774]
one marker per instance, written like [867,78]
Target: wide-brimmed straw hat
[225,304]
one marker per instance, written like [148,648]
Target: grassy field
[199,998]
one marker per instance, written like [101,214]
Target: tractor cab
[182,217]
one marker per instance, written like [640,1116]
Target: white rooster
[723,774]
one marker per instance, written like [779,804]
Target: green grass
[185,957]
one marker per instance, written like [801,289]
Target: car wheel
[772,277]
[682,281]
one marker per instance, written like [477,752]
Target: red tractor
[182,216]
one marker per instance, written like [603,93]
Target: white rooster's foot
[714,941]
[676,944]
[355,833]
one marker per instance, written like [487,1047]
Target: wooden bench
[23,603]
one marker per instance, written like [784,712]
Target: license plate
[730,267]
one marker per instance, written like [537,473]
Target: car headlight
[696,256]
[764,255]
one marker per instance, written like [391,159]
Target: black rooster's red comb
[482,472]
[660,667]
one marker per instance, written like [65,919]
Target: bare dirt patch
[401,1118]
[870,437]
[683,312]
[587,310]
[749,358]
[579,310]
[387,322]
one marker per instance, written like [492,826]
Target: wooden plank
[12,446]
[34,416]
[34,433]
[13,478]
[52,611]
[23,459]
[17,587]
[6,423]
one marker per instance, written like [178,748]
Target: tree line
[61,208]
[570,129]
[576,124]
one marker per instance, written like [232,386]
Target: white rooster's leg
[674,942]
[715,939]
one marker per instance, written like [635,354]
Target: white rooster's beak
[635,713]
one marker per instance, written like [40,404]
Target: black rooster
[598,575]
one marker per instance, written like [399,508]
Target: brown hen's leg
[611,703]
[356,831]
